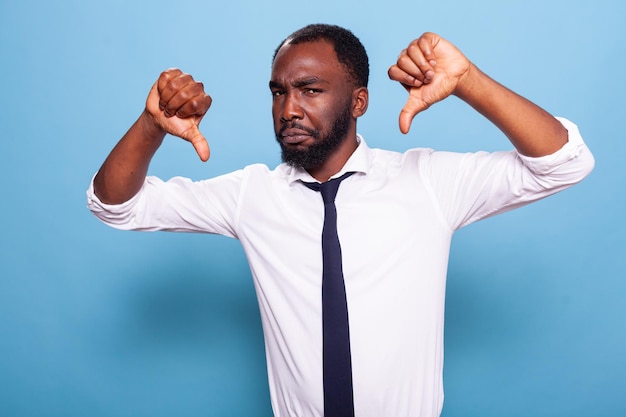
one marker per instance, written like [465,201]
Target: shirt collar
[359,161]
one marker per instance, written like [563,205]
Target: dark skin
[431,69]
[175,105]
[308,85]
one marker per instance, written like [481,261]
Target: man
[396,213]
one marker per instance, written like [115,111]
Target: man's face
[312,103]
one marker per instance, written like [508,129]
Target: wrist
[468,84]
[150,129]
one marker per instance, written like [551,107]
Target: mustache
[295,125]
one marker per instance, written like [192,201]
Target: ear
[360,99]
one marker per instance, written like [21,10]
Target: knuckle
[170,73]
[180,80]
[192,107]
[197,88]
[175,84]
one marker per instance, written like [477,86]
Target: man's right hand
[176,104]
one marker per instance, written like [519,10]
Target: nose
[291,108]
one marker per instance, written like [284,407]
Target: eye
[312,91]
[277,93]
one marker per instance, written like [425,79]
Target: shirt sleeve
[472,186]
[177,205]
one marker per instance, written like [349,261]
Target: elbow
[583,165]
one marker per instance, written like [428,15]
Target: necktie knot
[329,188]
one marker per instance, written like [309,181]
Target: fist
[177,103]
[430,69]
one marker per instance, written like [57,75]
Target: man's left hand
[431,69]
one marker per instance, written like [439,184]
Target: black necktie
[337,363]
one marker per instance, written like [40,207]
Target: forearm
[123,172]
[532,130]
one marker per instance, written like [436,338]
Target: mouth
[294,135]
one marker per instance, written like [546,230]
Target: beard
[316,154]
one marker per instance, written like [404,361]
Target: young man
[396,213]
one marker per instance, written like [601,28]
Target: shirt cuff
[574,147]
[115,215]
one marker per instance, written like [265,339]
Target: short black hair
[349,49]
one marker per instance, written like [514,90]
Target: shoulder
[411,156]
[263,171]
[261,175]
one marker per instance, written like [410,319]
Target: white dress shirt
[396,216]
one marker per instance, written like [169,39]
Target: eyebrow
[299,83]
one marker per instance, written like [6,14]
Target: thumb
[199,143]
[413,106]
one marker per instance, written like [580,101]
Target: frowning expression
[311,102]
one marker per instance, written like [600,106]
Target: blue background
[97,322]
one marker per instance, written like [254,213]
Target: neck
[336,160]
